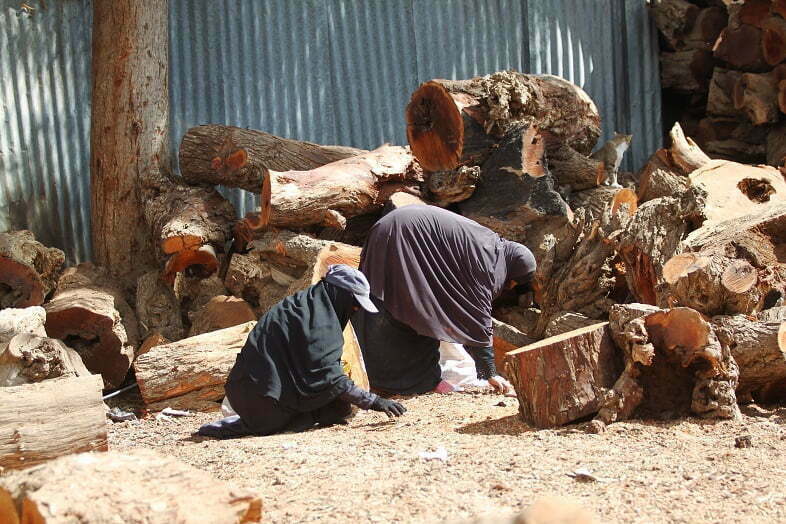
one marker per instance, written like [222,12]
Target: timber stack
[724,75]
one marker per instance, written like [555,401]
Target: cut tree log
[184,217]
[219,313]
[720,97]
[139,486]
[732,139]
[674,19]
[41,421]
[674,365]
[231,156]
[759,348]
[506,338]
[773,39]
[741,48]
[706,29]
[656,181]
[594,201]
[565,322]
[157,308]
[156,339]
[457,122]
[522,319]
[198,262]
[687,71]
[731,267]
[190,373]
[562,379]
[91,316]
[776,146]
[28,269]
[756,95]
[571,168]
[30,358]
[449,187]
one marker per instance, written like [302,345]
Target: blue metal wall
[329,71]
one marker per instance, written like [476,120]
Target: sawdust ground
[370,470]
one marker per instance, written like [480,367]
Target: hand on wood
[501,385]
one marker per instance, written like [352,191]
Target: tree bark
[733,139]
[231,156]
[39,422]
[196,367]
[773,39]
[657,182]
[506,338]
[452,123]
[561,379]
[449,187]
[28,358]
[756,96]
[706,29]
[135,486]
[29,320]
[91,316]
[565,322]
[759,348]
[594,201]
[571,168]
[219,313]
[720,97]
[129,140]
[776,146]
[674,19]
[157,308]
[731,267]
[741,48]
[28,269]
[687,71]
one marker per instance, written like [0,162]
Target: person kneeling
[288,376]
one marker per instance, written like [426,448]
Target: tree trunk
[39,422]
[756,96]
[139,486]
[575,170]
[230,156]
[656,182]
[452,123]
[731,267]
[196,367]
[219,313]
[741,48]
[90,315]
[449,187]
[759,348]
[594,201]
[184,217]
[674,19]
[720,97]
[28,269]
[157,308]
[129,140]
[561,379]
[30,358]
[686,71]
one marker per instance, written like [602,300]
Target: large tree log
[90,315]
[573,169]
[157,308]
[219,313]
[773,39]
[720,97]
[449,187]
[452,123]
[129,132]
[732,139]
[658,181]
[28,269]
[739,45]
[39,422]
[190,373]
[674,365]
[231,156]
[563,378]
[567,321]
[686,71]
[674,19]
[29,320]
[139,486]
[756,95]
[706,29]
[594,201]
[759,348]
[732,267]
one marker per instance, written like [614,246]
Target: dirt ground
[370,470]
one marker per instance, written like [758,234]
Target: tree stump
[136,486]
[563,378]
[28,269]
[41,421]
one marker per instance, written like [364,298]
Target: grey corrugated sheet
[329,71]
[45,122]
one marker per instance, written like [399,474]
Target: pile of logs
[724,75]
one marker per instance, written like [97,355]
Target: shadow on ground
[510,425]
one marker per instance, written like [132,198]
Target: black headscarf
[438,272]
[294,353]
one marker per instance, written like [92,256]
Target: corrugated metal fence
[329,71]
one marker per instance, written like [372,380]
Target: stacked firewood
[724,76]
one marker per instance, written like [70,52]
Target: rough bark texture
[139,486]
[720,97]
[28,269]
[567,321]
[594,201]
[506,338]
[741,48]
[29,320]
[231,156]
[190,373]
[706,29]
[129,128]
[90,315]
[448,187]
[732,139]
[738,265]
[674,18]
[657,182]
[30,358]
[157,308]
[756,95]
[776,146]
[561,379]
[452,123]
[219,313]
[573,169]
[686,71]
[759,348]
[39,422]
[773,39]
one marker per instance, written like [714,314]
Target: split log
[571,168]
[773,39]
[731,267]
[185,217]
[759,348]
[28,269]
[674,18]
[674,365]
[756,95]
[565,322]
[39,422]
[735,190]
[91,316]
[135,486]
[157,308]
[686,71]
[741,47]
[449,187]
[562,379]
[733,139]
[224,155]
[776,146]
[452,123]
[720,97]
[219,313]
[190,373]
[30,358]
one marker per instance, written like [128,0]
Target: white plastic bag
[458,368]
